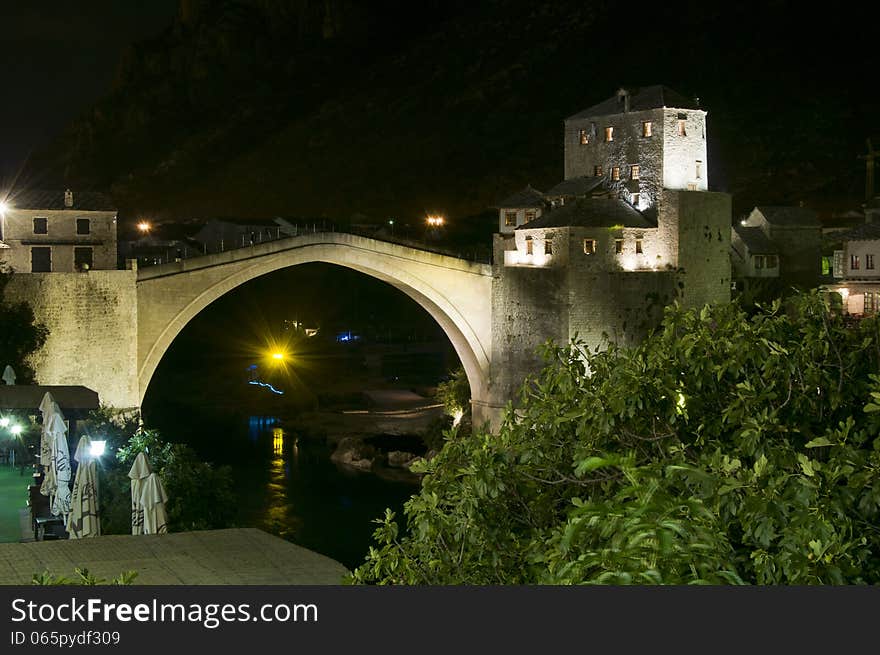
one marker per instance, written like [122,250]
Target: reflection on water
[287,485]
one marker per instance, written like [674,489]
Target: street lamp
[97,448]
[144,227]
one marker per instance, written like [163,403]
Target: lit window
[530,216]
[699,169]
[83,226]
[584,137]
[510,219]
[638,246]
[634,171]
[82,258]
[548,246]
[682,125]
[589,246]
[597,171]
[635,199]
[692,186]
[609,134]
[41,225]
[759,261]
[854,262]
[647,128]
[528,245]
[869,262]
[870,302]
[618,246]
[771,261]
[615,173]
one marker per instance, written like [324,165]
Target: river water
[287,485]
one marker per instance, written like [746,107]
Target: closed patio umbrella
[8,375]
[153,499]
[56,484]
[48,407]
[83,520]
[138,473]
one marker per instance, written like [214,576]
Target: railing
[479,254]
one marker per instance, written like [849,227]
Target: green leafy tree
[200,495]
[20,334]
[731,447]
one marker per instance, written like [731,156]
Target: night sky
[58,58]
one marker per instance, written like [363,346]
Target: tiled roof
[864,232]
[756,241]
[576,186]
[591,212]
[789,216]
[527,197]
[45,199]
[649,97]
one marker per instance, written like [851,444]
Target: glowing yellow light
[844,294]
[277,441]
[435,221]
[144,226]
[278,356]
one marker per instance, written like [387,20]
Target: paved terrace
[212,557]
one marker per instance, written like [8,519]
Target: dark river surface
[287,485]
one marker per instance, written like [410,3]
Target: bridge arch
[455,292]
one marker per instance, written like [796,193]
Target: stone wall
[92,321]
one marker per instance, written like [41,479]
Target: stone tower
[630,229]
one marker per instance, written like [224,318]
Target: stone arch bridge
[110,329]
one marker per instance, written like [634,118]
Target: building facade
[631,229]
[856,270]
[58,232]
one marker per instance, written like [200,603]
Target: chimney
[623,98]
[68,198]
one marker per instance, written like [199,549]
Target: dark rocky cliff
[393,108]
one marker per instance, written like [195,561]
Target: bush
[726,448]
[200,495]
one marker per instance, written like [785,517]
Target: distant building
[58,231]
[753,253]
[781,242]
[218,235]
[856,269]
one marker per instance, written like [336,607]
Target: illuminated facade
[856,270]
[630,229]
[58,232]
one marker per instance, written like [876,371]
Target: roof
[591,212]
[640,99]
[576,186]
[756,241]
[864,232]
[789,216]
[28,396]
[45,199]
[527,197]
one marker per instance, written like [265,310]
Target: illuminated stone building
[630,229]
[58,232]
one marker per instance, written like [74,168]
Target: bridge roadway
[457,293]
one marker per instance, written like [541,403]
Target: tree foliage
[20,334]
[731,447]
[200,494]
